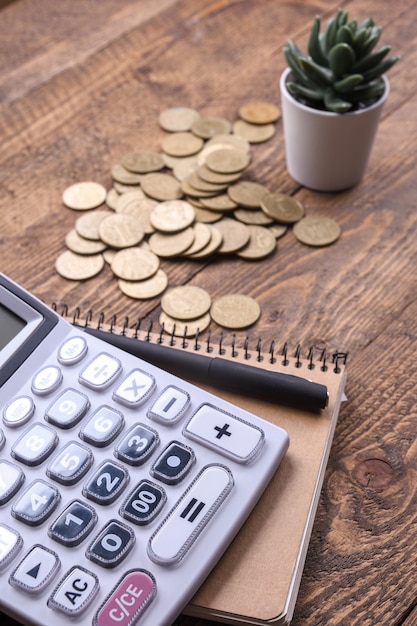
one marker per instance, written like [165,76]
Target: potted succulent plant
[332,100]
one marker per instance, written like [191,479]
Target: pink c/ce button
[128,600]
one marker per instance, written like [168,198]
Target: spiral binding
[313,357]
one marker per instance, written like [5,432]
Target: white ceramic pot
[327,151]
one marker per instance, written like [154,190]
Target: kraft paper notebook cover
[257,579]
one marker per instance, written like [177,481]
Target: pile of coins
[190,200]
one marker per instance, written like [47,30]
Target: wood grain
[78,89]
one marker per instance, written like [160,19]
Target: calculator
[121,485]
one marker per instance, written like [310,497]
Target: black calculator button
[47,380]
[18,411]
[36,570]
[144,503]
[174,463]
[68,409]
[70,464]
[112,544]
[36,503]
[102,427]
[74,524]
[74,592]
[137,444]
[35,445]
[10,545]
[107,483]
[135,388]
[11,479]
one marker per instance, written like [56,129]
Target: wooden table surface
[82,83]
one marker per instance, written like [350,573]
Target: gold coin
[261,244]
[109,254]
[209,149]
[80,245]
[78,267]
[202,236]
[191,191]
[247,193]
[222,202]
[120,230]
[317,231]
[282,208]
[177,119]
[235,311]
[207,216]
[172,215]
[112,198]
[227,161]
[208,126]
[87,225]
[259,112]
[179,328]
[128,199]
[235,235]
[278,230]
[84,196]
[215,177]
[212,246]
[161,187]
[202,185]
[145,289]
[134,264]
[234,141]
[254,133]
[181,144]
[252,216]
[168,245]
[143,162]
[186,302]
[121,188]
[171,161]
[185,167]
[122,175]
[141,208]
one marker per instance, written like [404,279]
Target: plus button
[222,431]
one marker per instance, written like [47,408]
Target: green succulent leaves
[342,68]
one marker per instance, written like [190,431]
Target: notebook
[258,578]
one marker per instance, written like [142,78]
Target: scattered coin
[235,235]
[235,311]
[235,141]
[317,230]
[254,133]
[78,267]
[278,230]
[145,289]
[186,302]
[84,196]
[177,119]
[143,162]
[168,245]
[247,193]
[216,177]
[202,185]
[208,126]
[259,112]
[261,244]
[223,202]
[112,198]
[172,215]
[227,161]
[187,328]
[141,208]
[128,199]
[202,236]
[207,216]
[122,175]
[161,186]
[121,230]
[252,216]
[182,144]
[185,167]
[212,246]
[87,225]
[282,208]
[135,264]
[80,245]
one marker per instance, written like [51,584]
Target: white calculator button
[102,427]
[75,592]
[68,409]
[18,411]
[135,388]
[170,406]
[11,479]
[229,435]
[35,445]
[190,515]
[72,350]
[36,569]
[10,545]
[47,380]
[36,503]
[101,372]
[70,464]
[126,603]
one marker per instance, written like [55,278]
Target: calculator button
[112,544]
[18,411]
[144,503]
[10,545]
[2,439]
[174,463]
[137,444]
[35,445]
[36,569]
[71,464]
[47,380]
[75,592]
[102,427]
[11,479]
[131,596]
[72,350]
[107,483]
[135,388]
[190,515]
[225,433]
[68,409]
[36,503]
[101,372]
[170,406]
[74,524]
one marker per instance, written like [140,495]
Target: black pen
[274,386]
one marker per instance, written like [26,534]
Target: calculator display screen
[10,326]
